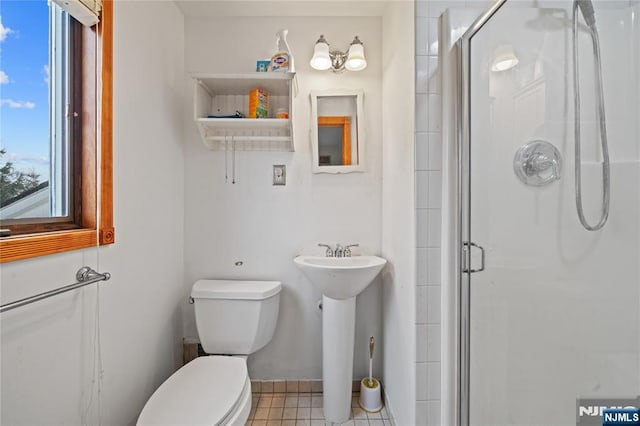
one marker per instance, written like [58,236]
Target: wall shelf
[224,94]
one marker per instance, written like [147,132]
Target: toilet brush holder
[370,395]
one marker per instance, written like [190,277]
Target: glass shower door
[555,314]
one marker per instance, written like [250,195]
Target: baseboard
[192,349]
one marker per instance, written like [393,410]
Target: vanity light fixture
[324,59]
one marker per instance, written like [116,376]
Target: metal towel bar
[85,276]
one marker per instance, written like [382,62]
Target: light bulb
[356,60]
[321,60]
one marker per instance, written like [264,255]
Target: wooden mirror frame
[338,121]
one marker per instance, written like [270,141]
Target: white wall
[48,347]
[265,226]
[398,214]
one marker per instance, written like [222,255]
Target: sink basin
[340,277]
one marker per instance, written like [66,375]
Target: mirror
[336,138]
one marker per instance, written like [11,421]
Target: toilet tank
[235,317]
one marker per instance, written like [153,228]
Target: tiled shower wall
[428,204]
[428,214]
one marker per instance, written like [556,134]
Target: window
[36,174]
[49,146]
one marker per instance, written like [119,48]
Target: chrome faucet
[329,251]
[339,251]
[347,249]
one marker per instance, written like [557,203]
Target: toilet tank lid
[235,289]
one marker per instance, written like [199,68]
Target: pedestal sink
[340,279]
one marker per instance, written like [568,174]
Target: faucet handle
[347,249]
[329,251]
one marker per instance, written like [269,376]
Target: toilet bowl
[234,318]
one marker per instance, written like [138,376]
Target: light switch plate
[279,174]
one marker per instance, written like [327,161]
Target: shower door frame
[463,304]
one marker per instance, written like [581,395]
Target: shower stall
[541,231]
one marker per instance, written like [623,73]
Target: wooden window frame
[343,122]
[93,222]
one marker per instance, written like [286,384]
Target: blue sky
[24,104]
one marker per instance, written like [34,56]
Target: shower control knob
[537,163]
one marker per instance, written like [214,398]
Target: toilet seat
[210,390]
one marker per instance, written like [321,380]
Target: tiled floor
[305,409]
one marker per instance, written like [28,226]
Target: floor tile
[374,416]
[304,401]
[289,413]
[305,409]
[261,414]
[317,413]
[277,401]
[358,413]
[384,413]
[316,401]
[355,402]
[264,402]
[291,401]
[275,413]
[304,413]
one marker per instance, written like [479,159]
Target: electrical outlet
[279,174]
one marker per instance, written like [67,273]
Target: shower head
[586,7]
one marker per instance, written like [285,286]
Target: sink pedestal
[338,332]
[340,279]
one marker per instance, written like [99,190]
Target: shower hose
[587,10]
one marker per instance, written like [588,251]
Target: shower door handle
[466,258]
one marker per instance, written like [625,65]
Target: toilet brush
[370,383]
[370,395]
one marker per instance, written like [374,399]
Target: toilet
[234,320]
